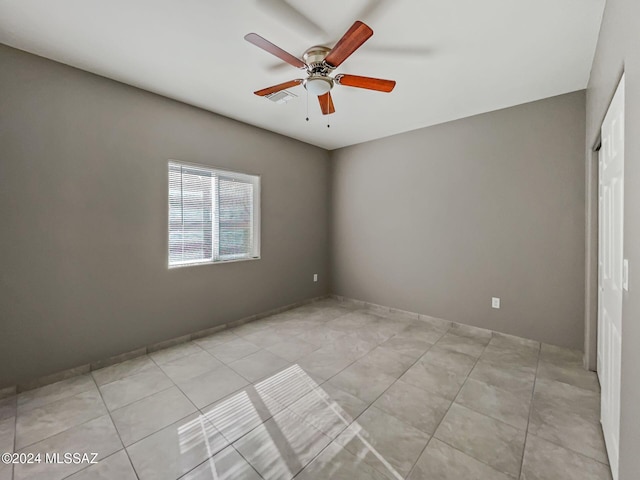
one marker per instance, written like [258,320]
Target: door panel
[610,258]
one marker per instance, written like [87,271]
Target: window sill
[217,262]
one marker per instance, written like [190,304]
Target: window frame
[253,178]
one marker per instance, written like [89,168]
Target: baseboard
[7,391]
[438,322]
[460,328]
[121,357]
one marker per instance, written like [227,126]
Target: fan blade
[365,82]
[349,43]
[326,104]
[277,88]
[267,46]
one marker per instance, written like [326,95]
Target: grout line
[137,399]
[585,456]
[265,376]
[232,444]
[178,387]
[145,397]
[500,389]
[159,366]
[346,333]
[15,434]
[377,345]
[235,359]
[116,429]
[245,459]
[533,391]
[197,411]
[531,412]
[252,384]
[61,431]
[100,460]
[433,435]
[287,407]
[376,399]
[202,414]
[127,375]
[211,457]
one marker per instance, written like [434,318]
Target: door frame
[591,258]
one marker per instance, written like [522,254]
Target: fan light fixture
[318,85]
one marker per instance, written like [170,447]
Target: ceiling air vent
[282,96]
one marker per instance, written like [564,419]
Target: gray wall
[83,215]
[618,50]
[441,219]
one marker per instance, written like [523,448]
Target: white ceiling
[451,58]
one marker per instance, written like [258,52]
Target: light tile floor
[325,391]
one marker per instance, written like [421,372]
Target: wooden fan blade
[349,43]
[267,46]
[277,88]
[365,82]
[326,104]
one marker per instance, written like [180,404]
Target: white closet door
[611,209]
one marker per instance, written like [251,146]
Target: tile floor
[325,391]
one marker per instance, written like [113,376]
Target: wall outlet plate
[625,274]
[315,277]
[495,302]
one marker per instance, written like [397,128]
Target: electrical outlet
[495,302]
[625,274]
[315,277]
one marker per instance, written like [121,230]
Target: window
[214,215]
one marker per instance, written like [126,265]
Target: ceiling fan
[319,62]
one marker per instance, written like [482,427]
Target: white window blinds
[213,215]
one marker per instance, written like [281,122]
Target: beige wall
[83,215]
[618,50]
[441,219]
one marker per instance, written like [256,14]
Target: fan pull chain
[307,105]
[328,102]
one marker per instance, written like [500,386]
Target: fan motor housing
[314,58]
